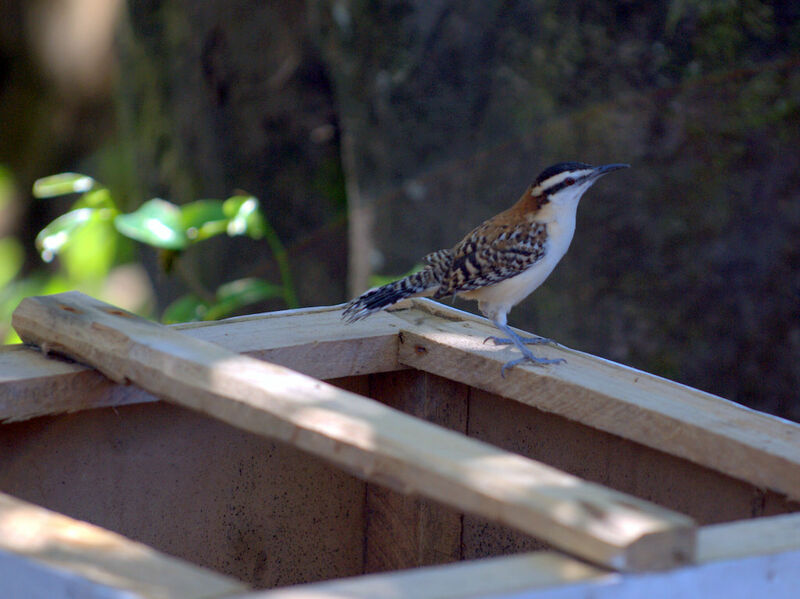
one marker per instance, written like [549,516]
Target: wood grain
[708,430]
[45,554]
[313,341]
[409,532]
[380,444]
[755,558]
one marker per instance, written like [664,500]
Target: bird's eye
[569,181]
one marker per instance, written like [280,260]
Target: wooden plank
[526,577]
[403,531]
[380,444]
[759,536]
[313,341]
[754,558]
[44,554]
[722,435]
[195,488]
[496,577]
[706,495]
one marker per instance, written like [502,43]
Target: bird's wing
[440,259]
[492,253]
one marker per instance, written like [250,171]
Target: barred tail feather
[418,284]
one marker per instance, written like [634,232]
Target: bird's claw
[533,359]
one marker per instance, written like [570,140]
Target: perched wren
[502,261]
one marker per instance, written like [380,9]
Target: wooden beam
[708,430]
[378,443]
[45,554]
[760,536]
[740,560]
[514,575]
[313,341]
[755,447]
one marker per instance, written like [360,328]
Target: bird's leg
[519,342]
[525,340]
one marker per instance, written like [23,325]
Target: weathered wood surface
[44,554]
[192,487]
[708,430]
[408,532]
[741,560]
[311,341]
[378,443]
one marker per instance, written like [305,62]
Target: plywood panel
[403,531]
[706,495]
[669,417]
[192,487]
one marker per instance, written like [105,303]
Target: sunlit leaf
[157,223]
[187,308]
[231,297]
[62,184]
[203,219]
[91,250]
[10,297]
[233,204]
[245,216]
[12,256]
[97,198]
[54,236]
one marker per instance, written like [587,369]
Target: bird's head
[565,182]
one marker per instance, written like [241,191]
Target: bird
[503,260]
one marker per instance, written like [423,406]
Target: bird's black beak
[605,169]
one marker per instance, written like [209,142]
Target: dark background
[414,121]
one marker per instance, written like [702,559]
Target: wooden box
[630,485]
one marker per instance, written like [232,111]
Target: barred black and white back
[491,253]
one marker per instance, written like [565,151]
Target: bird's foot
[529,357]
[519,343]
[525,340]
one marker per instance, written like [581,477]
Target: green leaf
[63,184]
[245,216]
[240,293]
[233,204]
[12,256]
[187,308]
[231,297]
[157,223]
[92,249]
[97,198]
[203,219]
[56,235]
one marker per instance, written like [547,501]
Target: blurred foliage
[94,236]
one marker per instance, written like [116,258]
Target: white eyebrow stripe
[560,177]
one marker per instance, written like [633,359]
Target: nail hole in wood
[70,309]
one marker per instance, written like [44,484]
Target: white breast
[496,300]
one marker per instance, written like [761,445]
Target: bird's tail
[420,283]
